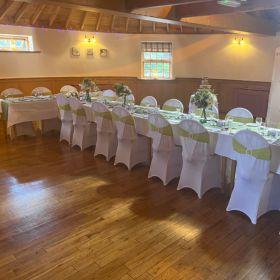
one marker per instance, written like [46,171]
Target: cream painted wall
[194,55]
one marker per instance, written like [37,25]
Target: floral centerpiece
[123,91]
[88,86]
[204,97]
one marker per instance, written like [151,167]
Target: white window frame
[143,60]
[28,38]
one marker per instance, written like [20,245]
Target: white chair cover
[41,91]
[173,105]
[109,94]
[106,143]
[84,134]
[67,89]
[149,101]
[11,92]
[167,158]
[66,131]
[240,115]
[201,168]
[254,192]
[130,99]
[132,148]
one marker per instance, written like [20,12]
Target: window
[157,60]
[15,43]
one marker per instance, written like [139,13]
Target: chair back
[253,155]
[41,91]
[173,105]
[130,99]
[195,140]
[11,92]
[67,89]
[64,107]
[78,112]
[109,94]
[240,115]
[149,101]
[124,123]
[160,131]
[103,117]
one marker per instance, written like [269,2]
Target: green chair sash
[166,130]
[126,119]
[202,137]
[262,153]
[240,119]
[5,110]
[65,107]
[109,98]
[79,112]
[106,115]
[170,108]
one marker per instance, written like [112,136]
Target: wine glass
[259,121]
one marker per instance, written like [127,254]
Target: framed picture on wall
[90,53]
[75,52]
[103,52]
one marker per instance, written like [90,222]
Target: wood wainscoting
[231,93]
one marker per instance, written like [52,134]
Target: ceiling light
[231,3]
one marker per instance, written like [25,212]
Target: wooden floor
[66,215]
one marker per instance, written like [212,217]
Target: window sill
[2,51]
[145,79]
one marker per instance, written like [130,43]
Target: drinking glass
[259,121]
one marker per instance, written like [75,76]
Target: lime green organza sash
[202,137]
[170,108]
[65,107]
[80,112]
[5,109]
[109,98]
[126,119]
[146,104]
[240,119]
[166,130]
[106,115]
[262,154]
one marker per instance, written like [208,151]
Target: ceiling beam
[54,16]
[86,8]
[84,21]
[213,8]
[5,8]
[21,11]
[98,22]
[112,23]
[126,24]
[142,4]
[37,14]
[236,23]
[69,18]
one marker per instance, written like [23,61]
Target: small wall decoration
[103,52]
[75,52]
[90,52]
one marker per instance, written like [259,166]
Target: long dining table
[40,108]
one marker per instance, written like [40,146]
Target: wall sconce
[239,41]
[90,39]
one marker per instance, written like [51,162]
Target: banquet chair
[201,167]
[66,131]
[11,92]
[41,91]
[256,191]
[130,99]
[109,95]
[84,134]
[173,105]
[166,156]
[68,88]
[50,124]
[149,101]
[25,128]
[240,115]
[132,148]
[107,141]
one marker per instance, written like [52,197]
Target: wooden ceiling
[144,16]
